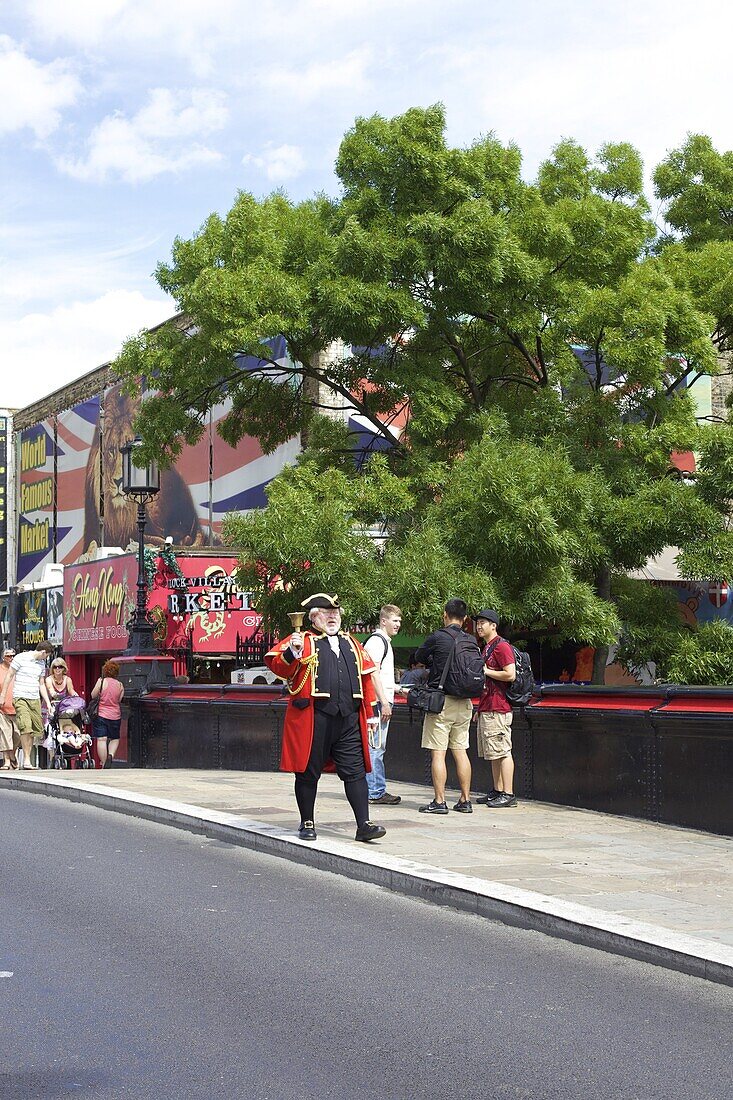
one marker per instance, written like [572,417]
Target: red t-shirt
[494,696]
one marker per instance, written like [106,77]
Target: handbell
[296,620]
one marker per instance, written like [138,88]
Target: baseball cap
[488,614]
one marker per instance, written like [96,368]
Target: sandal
[5,768]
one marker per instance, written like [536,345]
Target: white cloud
[183,28]
[44,261]
[282,163]
[345,75]
[33,95]
[44,351]
[160,138]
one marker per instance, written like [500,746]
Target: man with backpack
[495,711]
[454,669]
[379,648]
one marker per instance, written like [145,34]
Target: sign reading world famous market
[99,599]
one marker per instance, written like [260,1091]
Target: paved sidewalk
[626,882]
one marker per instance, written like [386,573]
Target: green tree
[531,336]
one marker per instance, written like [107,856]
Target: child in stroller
[71,742]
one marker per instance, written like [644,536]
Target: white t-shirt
[383,660]
[28,671]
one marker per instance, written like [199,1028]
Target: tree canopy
[533,342]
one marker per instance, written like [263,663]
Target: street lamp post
[141,483]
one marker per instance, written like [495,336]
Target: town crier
[330,708]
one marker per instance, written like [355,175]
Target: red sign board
[205,607]
[99,598]
[718,593]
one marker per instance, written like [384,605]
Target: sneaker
[370,831]
[386,799]
[484,798]
[307,830]
[434,808]
[502,802]
[462,807]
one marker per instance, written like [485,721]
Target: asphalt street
[141,961]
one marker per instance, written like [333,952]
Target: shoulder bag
[431,700]
[93,708]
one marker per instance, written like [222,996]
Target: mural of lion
[170,513]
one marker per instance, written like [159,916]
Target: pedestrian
[9,736]
[449,729]
[59,684]
[107,721]
[495,711]
[415,675]
[379,647]
[329,712]
[25,678]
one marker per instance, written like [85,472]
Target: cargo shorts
[494,735]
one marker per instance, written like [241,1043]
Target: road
[141,961]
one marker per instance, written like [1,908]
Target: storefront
[200,615]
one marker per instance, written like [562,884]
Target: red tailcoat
[300,676]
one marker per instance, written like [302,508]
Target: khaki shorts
[494,735]
[449,729]
[9,739]
[28,716]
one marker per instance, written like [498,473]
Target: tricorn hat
[488,614]
[321,599]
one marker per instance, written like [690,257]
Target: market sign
[205,608]
[99,599]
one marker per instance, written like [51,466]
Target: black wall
[668,767]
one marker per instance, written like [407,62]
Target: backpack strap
[491,647]
[384,642]
[449,662]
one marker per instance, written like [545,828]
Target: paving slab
[653,891]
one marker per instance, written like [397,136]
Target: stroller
[72,745]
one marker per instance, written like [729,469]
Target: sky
[125,123]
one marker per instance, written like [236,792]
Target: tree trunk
[603,589]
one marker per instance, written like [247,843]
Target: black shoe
[462,807]
[484,798]
[307,830]
[370,831]
[502,802]
[386,799]
[434,808]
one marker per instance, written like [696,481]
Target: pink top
[109,698]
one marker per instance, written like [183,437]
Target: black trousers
[336,737]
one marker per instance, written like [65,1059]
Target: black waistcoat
[337,688]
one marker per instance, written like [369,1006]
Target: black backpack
[522,688]
[466,673]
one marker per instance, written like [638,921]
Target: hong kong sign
[99,598]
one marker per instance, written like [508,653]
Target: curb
[526,909]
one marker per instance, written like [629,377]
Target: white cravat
[333,641]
